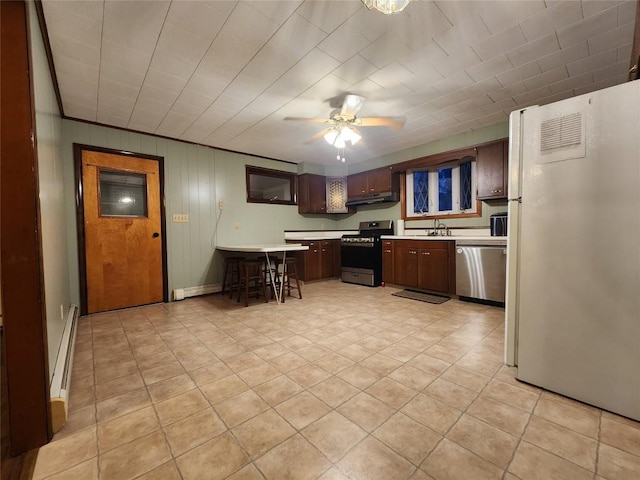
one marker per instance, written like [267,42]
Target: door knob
[155,235]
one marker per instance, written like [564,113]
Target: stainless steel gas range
[361,253]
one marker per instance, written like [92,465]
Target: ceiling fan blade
[351,105]
[394,122]
[317,136]
[309,120]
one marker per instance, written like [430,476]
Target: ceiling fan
[343,121]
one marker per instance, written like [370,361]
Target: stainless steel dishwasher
[481,269]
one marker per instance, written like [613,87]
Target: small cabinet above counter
[373,186]
[320,194]
[492,167]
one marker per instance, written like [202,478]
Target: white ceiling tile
[208,86]
[79,20]
[593,7]
[129,59]
[188,109]
[393,91]
[572,83]
[549,20]
[343,43]
[456,61]
[588,27]
[519,74]
[114,120]
[78,51]
[303,75]
[611,39]
[627,12]
[490,68]
[391,75]
[453,83]
[546,78]
[506,105]
[355,69]
[619,68]
[174,124]
[134,23]
[165,81]
[176,41]
[145,120]
[418,26]
[423,96]
[508,91]
[83,112]
[534,49]
[532,96]
[75,75]
[160,95]
[276,10]
[608,82]
[118,89]
[176,65]
[485,87]
[159,109]
[326,16]
[465,32]
[427,75]
[197,17]
[500,42]
[459,12]
[499,15]
[117,73]
[385,50]
[592,63]
[625,51]
[564,56]
[230,103]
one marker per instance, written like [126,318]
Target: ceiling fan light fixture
[388,7]
[349,135]
[334,137]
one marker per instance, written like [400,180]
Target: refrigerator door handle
[519,200]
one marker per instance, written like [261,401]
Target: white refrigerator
[573,274]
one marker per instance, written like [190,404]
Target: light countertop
[465,238]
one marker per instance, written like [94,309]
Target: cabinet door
[357,184]
[336,188]
[379,180]
[405,265]
[433,269]
[311,193]
[337,258]
[490,166]
[326,260]
[387,261]
[312,261]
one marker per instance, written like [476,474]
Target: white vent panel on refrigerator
[562,138]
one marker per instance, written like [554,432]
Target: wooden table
[267,249]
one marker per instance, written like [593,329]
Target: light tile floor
[348,383]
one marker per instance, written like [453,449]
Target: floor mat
[421,296]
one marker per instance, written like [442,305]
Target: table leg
[273,280]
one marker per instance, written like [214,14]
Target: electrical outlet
[180,218]
[221,205]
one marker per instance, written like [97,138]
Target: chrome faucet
[446,229]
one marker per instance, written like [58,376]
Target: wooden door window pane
[123,194]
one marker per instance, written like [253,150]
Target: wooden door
[433,269]
[123,235]
[313,257]
[357,184]
[405,265]
[379,180]
[326,267]
[490,165]
[387,261]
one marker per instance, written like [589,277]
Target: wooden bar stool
[252,280]
[288,272]
[231,274]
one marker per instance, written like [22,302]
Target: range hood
[368,199]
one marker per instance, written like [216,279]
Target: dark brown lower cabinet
[422,264]
[322,260]
[387,261]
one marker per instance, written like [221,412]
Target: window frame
[271,173]
[407,213]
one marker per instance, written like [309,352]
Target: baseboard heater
[61,380]
[182,293]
